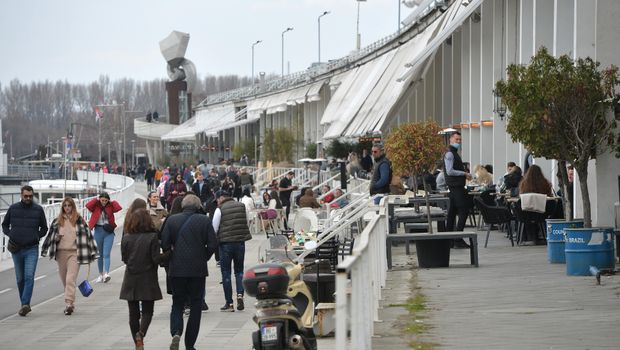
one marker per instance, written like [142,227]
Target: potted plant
[561,109]
[414,149]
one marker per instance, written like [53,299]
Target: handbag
[108,228]
[85,288]
[12,247]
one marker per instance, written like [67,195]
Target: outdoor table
[411,215]
[404,201]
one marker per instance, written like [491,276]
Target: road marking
[38,278]
[5,290]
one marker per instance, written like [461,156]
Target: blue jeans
[232,253]
[183,289]
[104,240]
[25,262]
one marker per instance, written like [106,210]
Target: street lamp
[133,154]
[256,43]
[358,36]
[319,21]
[109,160]
[287,30]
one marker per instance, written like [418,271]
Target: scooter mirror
[310,245]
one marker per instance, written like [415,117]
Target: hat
[104,195]
[221,193]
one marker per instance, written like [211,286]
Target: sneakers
[205,307]
[186,310]
[175,342]
[240,304]
[69,310]
[106,278]
[139,341]
[24,310]
[228,308]
[99,279]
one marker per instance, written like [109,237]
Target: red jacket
[95,207]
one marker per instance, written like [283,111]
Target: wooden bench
[409,237]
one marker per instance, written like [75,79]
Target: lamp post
[109,159]
[256,43]
[286,30]
[358,36]
[133,154]
[319,21]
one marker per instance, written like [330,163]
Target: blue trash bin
[587,247]
[555,238]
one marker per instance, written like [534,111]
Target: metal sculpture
[173,49]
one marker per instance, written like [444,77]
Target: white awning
[184,132]
[225,122]
[365,98]
[357,90]
[279,102]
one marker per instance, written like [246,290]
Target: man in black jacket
[456,177]
[191,237]
[25,224]
[231,226]
[202,189]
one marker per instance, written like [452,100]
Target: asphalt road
[47,283]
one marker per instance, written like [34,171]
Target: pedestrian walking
[190,237]
[286,188]
[176,188]
[149,176]
[25,224]
[103,223]
[71,244]
[231,226]
[140,251]
[156,210]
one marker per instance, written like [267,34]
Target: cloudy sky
[78,40]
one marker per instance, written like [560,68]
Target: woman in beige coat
[71,243]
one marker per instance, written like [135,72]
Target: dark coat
[140,252]
[192,247]
[308,200]
[206,194]
[25,224]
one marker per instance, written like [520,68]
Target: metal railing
[357,296]
[122,194]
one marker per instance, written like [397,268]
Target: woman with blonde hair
[71,243]
[482,175]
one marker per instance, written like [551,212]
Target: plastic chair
[494,215]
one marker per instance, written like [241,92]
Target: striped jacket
[86,247]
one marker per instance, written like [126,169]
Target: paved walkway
[101,320]
[514,300]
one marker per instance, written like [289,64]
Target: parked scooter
[284,306]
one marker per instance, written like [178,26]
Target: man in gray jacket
[190,236]
[231,226]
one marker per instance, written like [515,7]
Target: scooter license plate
[269,333]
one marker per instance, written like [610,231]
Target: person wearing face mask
[456,177]
[25,224]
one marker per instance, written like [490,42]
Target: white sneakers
[103,278]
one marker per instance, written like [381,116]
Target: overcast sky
[78,40]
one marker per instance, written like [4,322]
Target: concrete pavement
[101,320]
[514,300]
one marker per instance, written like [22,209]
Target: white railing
[120,188]
[357,296]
